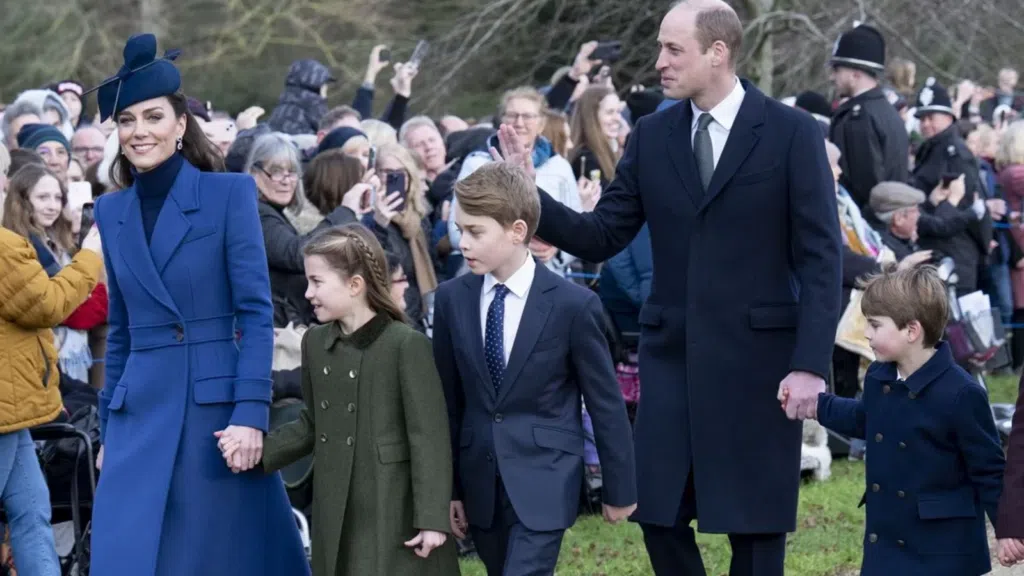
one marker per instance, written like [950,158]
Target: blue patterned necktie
[494,339]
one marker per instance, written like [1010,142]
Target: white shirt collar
[727,110]
[519,282]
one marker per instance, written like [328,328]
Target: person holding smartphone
[401,221]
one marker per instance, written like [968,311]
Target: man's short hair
[908,295]
[412,124]
[335,115]
[503,192]
[13,112]
[719,23]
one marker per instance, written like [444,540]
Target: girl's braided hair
[352,250]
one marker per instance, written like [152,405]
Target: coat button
[903,445]
[875,487]
[323,437]
[351,407]
[900,543]
[489,457]
[911,395]
[327,370]
[498,418]
[878,437]
[324,404]
[350,440]
[179,332]
[872,538]
[886,389]
[351,373]
[901,494]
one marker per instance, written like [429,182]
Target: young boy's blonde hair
[503,192]
[908,295]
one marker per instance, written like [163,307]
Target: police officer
[866,127]
[942,157]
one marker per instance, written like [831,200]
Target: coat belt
[194,331]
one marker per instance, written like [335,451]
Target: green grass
[827,541]
[1002,389]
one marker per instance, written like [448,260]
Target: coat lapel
[680,150]
[131,240]
[535,316]
[471,326]
[742,139]
[172,225]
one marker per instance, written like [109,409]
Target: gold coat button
[351,373]
[350,441]
[323,437]
[351,407]
[872,538]
[324,404]
[327,370]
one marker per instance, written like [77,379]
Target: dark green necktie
[702,150]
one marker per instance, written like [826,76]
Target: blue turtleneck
[153,186]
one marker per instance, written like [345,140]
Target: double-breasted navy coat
[746,289]
[189,352]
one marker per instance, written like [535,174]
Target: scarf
[410,222]
[73,353]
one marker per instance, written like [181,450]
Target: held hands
[616,514]
[426,541]
[798,394]
[457,517]
[1011,551]
[241,446]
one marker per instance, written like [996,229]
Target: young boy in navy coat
[516,346]
[935,464]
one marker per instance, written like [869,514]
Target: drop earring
[179,142]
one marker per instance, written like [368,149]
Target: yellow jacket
[31,303]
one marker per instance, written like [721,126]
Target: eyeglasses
[511,118]
[86,150]
[276,174]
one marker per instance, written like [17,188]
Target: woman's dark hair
[18,212]
[92,176]
[329,176]
[195,147]
[352,250]
[21,157]
[394,262]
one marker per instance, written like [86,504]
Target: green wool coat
[376,422]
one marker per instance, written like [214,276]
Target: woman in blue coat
[189,349]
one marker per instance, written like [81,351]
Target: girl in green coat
[375,419]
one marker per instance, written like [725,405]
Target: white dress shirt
[723,115]
[518,285]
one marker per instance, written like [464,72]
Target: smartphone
[385,55]
[607,52]
[87,222]
[371,162]
[422,47]
[583,165]
[79,193]
[396,183]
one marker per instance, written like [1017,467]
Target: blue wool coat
[189,352]
[934,467]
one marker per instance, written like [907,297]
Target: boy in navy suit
[516,347]
[935,464]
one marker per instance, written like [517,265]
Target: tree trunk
[762,56]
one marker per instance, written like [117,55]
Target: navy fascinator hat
[142,77]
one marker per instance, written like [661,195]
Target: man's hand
[914,260]
[1011,551]
[513,151]
[582,65]
[401,82]
[249,117]
[457,517]
[615,514]
[542,250]
[799,394]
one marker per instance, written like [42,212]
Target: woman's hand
[241,446]
[426,541]
[513,151]
[542,250]
[582,64]
[92,241]
[401,83]
[385,209]
[248,118]
[915,259]
[375,65]
[353,199]
[590,193]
